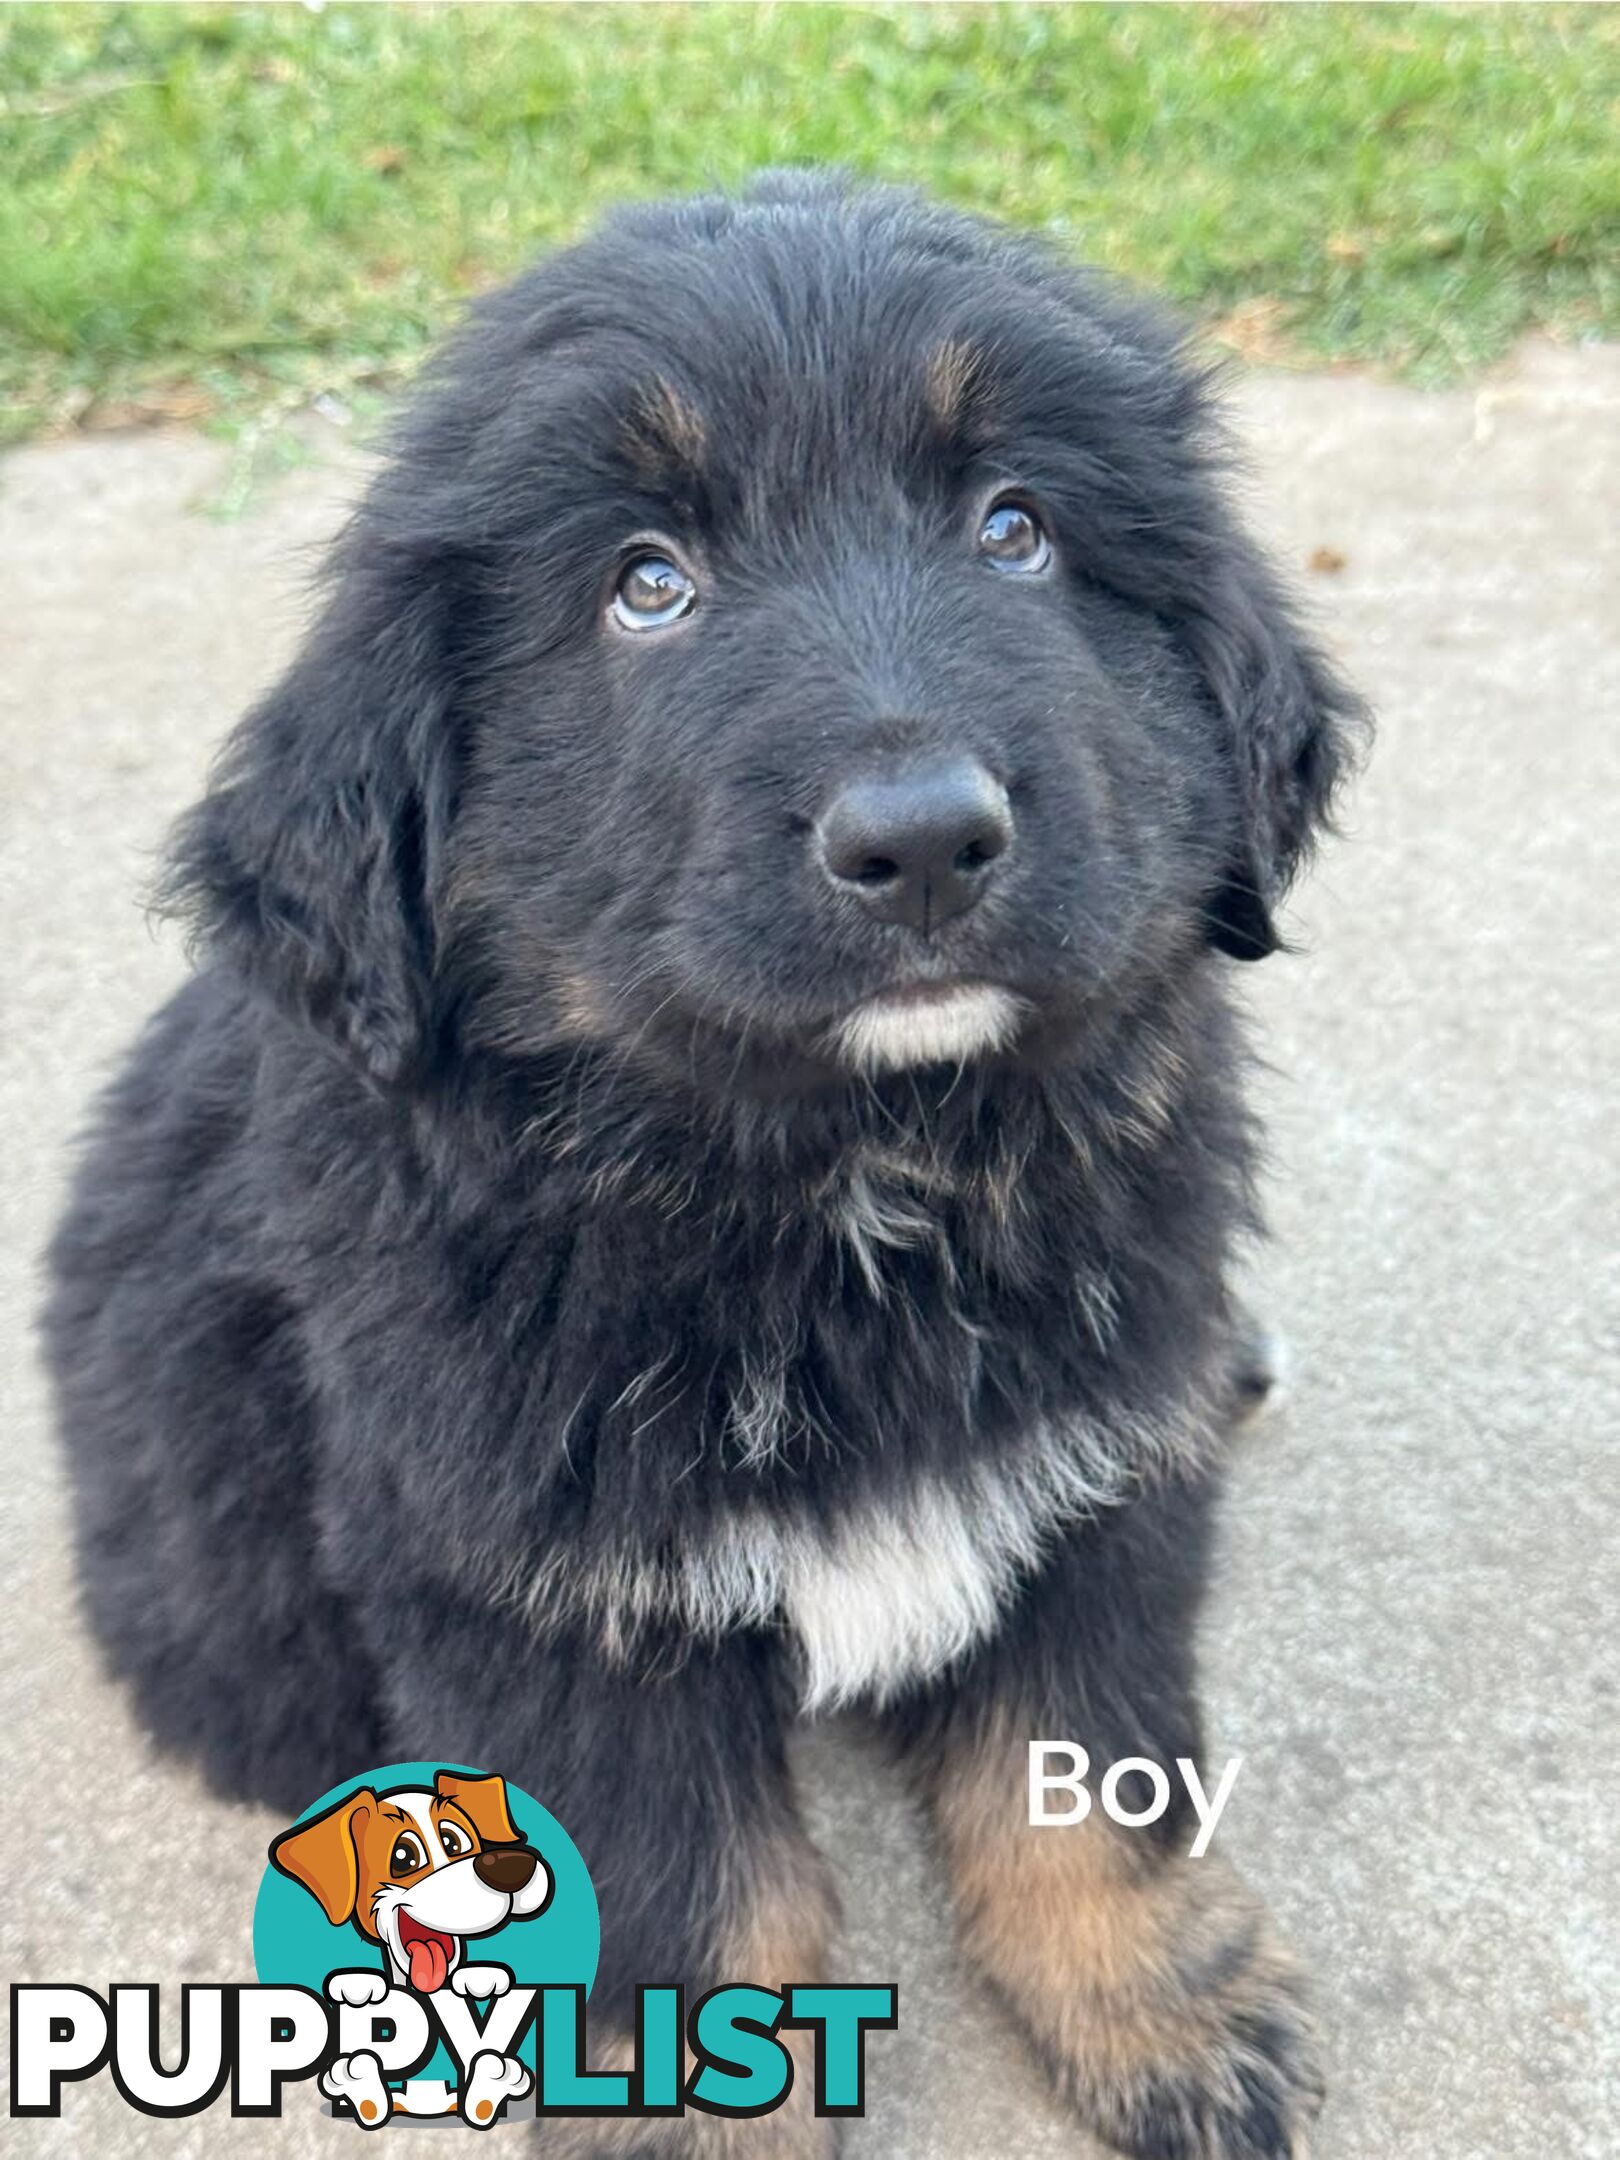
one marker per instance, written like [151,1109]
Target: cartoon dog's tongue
[428,1967]
[427,1953]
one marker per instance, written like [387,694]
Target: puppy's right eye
[407,1856]
[652,591]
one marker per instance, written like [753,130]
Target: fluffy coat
[496,1324]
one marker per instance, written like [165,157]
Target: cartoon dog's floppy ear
[483,1801]
[1291,725]
[324,1855]
[310,862]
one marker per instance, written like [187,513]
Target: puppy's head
[795,634]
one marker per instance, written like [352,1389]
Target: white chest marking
[896,1595]
[892,1590]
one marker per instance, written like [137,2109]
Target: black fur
[437,1227]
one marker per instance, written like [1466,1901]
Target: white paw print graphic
[494,2080]
[357,2079]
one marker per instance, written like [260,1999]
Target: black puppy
[696,1177]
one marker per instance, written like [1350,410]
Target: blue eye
[652,591]
[1012,538]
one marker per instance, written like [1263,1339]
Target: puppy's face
[807,637]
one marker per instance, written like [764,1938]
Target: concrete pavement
[1413,1642]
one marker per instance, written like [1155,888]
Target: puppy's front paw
[480,1980]
[357,2080]
[1154,1986]
[1214,2059]
[357,1989]
[495,2080]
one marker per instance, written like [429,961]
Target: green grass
[229,210]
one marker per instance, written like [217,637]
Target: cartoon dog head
[418,1871]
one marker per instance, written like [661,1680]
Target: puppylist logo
[425,1939]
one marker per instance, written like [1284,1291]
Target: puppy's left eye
[652,591]
[453,1841]
[1012,538]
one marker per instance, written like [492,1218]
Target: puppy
[696,1177]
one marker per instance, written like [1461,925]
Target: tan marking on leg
[1153,1985]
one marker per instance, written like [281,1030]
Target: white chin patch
[949,1029]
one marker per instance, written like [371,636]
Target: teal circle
[295,1945]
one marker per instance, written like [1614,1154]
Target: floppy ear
[324,1855]
[483,1801]
[310,862]
[1291,725]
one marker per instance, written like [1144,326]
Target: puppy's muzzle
[506,1868]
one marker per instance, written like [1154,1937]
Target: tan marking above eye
[952,381]
[665,433]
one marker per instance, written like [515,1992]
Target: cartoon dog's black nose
[919,846]
[505,1867]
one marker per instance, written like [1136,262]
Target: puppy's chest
[879,1586]
[871,1595]
[897,1587]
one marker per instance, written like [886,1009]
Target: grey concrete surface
[1413,1642]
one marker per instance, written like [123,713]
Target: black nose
[920,846]
[505,1867]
